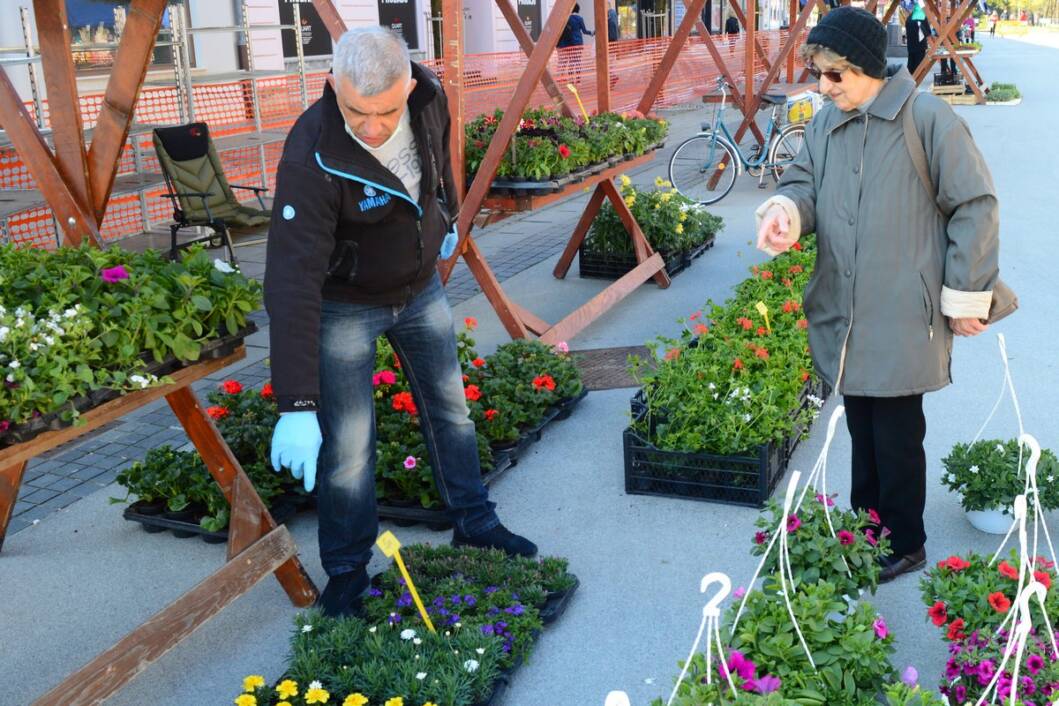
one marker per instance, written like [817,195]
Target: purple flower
[1029,688]
[493,611]
[986,670]
[738,664]
[910,676]
[739,593]
[960,692]
[453,619]
[470,600]
[952,670]
[4,425]
[516,609]
[394,618]
[879,626]
[487,630]
[375,593]
[767,684]
[793,523]
[491,589]
[405,600]
[456,600]
[443,611]
[439,602]
[110,275]
[1034,663]
[760,537]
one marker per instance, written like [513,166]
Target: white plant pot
[993,521]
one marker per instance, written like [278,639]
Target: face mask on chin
[368,147]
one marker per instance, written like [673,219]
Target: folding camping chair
[200,193]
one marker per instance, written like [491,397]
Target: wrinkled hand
[775,231]
[968,327]
[296,443]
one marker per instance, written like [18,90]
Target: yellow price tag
[764,311]
[391,547]
[573,89]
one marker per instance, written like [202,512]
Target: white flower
[1050,479]
[33,346]
[222,266]
[417,641]
[715,395]
[421,676]
[315,685]
[4,330]
[459,625]
[49,340]
[480,650]
[10,377]
[408,634]
[712,387]
[372,629]
[14,364]
[144,382]
[307,628]
[20,312]
[20,322]
[974,470]
[746,417]
[70,313]
[471,665]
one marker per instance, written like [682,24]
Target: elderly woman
[899,269]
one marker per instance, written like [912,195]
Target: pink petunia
[881,631]
[874,517]
[821,499]
[845,537]
[793,523]
[760,537]
[111,275]
[410,462]
[767,684]
[869,534]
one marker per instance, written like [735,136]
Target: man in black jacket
[364,205]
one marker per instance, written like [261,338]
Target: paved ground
[82,577]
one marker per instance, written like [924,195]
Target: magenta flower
[739,593]
[845,537]
[760,537]
[869,534]
[739,665]
[874,517]
[821,499]
[410,462]
[111,275]
[793,523]
[767,684]
[1034,663]
[910,676]
[881,631]
[4,426]
[385,377]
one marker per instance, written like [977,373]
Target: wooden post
[602,56]
[676,44]
[526,42]
[10,482]
[791,19]
[452,41]
[750,55]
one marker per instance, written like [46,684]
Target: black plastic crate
[602,265]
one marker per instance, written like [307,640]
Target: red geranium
[955,627]
[403,402]
[266,391]
[797,246]
[954,563]
[761,330]
[490,414]
[746,323]
[471,323]
[1007,570]
[473,393]
[564,151]
[738,364]
[762,353]
[232,387]
[805,375]
[672,354]
[938,614]
[767,274]
[542,382]
[217,412]
[702,329]
[796,269]
[803,323]
[1000,602]
[478,362]
[790,305]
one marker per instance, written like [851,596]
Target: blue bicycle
[704,167]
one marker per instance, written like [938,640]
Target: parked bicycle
[704,167]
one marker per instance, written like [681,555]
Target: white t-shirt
[399,155]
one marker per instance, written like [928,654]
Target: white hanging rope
[710,624]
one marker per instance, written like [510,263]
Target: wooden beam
[751,34]
[945,35]
[336,26]
[580,231]
[452,47]
[225,469]
[73,216]
[750,48]
[120,664]
[602,56]
[676,45]
[10,482]
[890,12]
[640,245]
[119,102]
[573,324]
[526,42]
[53,35]
[535,324]
[503,306]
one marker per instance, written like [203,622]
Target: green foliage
[670,222]
[987,474]
[729,384]
[904,695]
[1001,92]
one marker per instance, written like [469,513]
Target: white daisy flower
[315,685]
[70,313]
[372,629]
[408,634]
[14,364]
[307,628]
[417,641]
[471,665]
[480,650]
[421,676]
[974,470]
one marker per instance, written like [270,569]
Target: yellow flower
[430,703]
[625,181]
[680,228]
[246,700]
[665,197]
[683,216]
[316,696]
[355,700]
[662,123]
[253,682]
[396,701]
[284,703]
[630,200]
[659,181]
[287,688]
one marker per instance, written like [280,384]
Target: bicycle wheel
[785,148]
[704,169]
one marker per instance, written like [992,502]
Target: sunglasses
[832,76]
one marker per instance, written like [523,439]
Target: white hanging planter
[991,521]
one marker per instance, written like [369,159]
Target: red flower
[954,563]
[938,614]
[471,323]
[1007,570]
[796,269]
[746,323]
[1043,578]
[266,391]
[954,633]
[761,330]
[737,365]
[695,316]
[544,382]
[217,412]
[787,282]
[672,354]
[702,329]
[232,387]
[767,274]
[490,414]
[396,362]
[478,362]
[1000,602]
[797,246]
[403,402]
[472,392]
[805,375]
[762,353]
[803,323]
[564,151]
[790,305]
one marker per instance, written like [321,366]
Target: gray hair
[833,61]
[373,59]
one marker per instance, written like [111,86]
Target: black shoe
[896,566]
[499,537]
[342,597]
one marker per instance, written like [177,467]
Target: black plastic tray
[603,265]
[283,509]
[558,602]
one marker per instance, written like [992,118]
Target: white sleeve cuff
[793,214]
[965,305]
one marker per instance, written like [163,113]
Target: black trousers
[890,464]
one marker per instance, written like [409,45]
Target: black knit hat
[855,34]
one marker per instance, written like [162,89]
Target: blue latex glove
[448,246]
[296,444]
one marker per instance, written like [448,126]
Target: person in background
[968,29]
[613,27]
[731,30]
[993,19]
[900,269]
[572,42]
[917,32]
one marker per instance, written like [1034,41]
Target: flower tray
[505,458]
[605,265]
[153,519]
[558,602]
[216,348]
[528,187]
[732,479]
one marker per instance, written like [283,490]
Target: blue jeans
[423,336]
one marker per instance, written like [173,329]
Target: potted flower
[973,663]
[987,476]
